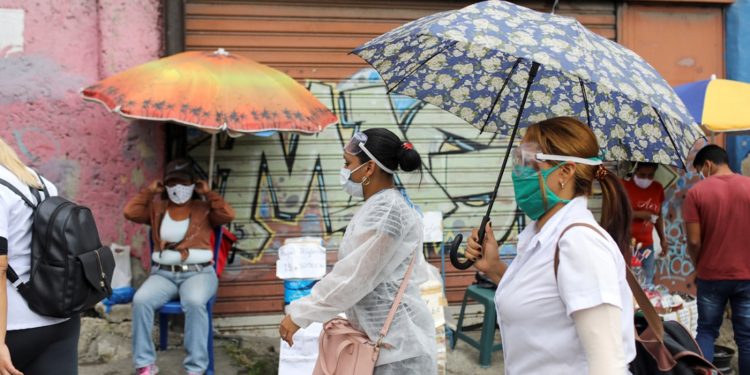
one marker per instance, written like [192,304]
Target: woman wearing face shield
[576,317]
[181,227]
[379,244]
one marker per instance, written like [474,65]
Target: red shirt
[648,199]
[721,205]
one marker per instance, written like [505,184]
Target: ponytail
[616,210]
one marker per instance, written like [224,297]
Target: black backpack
[70,269]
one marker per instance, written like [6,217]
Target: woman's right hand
[156,187]
[6,366]
[486,256]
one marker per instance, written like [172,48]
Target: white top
[534,310]
[374,254]
[15,226]
[174,231]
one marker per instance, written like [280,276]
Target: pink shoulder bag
[344,350]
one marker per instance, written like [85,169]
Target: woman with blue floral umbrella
[501,67]
[564,304]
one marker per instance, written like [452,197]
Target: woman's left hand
[287,329]
[201,187]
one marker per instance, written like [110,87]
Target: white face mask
[180,194]
[350,187]
[642,183]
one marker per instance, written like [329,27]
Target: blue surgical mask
[528,191]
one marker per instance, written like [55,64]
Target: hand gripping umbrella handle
[456,244]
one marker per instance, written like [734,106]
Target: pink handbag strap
[397,301]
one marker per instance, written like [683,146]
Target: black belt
[184,267]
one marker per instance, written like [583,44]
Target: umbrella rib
[500,92]
[585,103]
[676,149]
[421,65]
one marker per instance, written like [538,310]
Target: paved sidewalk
[239,356]
[247,355]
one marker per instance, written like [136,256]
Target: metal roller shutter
[287,185]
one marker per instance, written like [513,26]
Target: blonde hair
[10,160]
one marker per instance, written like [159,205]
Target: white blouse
[174,231]
[535,311]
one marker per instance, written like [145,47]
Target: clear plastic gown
[373,257]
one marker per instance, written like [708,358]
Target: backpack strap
[11,274]
[652,317]
[37,192]
[17,192]
[397,301]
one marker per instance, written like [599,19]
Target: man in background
[717,219]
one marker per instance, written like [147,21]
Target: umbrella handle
[456,244]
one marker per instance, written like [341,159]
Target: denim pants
[712,300]
[195,289]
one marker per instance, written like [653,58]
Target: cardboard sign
[301,258]
[300,358]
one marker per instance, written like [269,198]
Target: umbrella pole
[459,237]
[211,156]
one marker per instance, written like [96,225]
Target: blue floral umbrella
[501,67]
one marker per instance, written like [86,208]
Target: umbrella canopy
[213,91]
[501,67]
[475,62]
[720,105]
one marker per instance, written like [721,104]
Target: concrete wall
[737,40]
[738,68]
[49,50]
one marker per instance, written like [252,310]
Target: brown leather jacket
[147,208]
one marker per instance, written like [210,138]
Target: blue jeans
[649,267]
[194,290]
[712,300]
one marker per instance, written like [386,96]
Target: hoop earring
[365,181]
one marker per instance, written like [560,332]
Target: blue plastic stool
[486,343]
[174,308]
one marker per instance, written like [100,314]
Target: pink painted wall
[93,156]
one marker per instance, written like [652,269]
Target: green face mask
[528,191]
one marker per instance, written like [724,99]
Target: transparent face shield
[353,148]
[528,156]
[357,145]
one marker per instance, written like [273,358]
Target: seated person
[181,226]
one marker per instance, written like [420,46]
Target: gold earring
[365,181]
[562,184]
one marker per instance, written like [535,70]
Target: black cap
[179,169]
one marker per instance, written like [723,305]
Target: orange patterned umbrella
[213,91]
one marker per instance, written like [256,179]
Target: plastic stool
[486,343]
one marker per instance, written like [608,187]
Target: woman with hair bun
[380,243]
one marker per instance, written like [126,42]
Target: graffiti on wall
[675,269]
[287,185]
